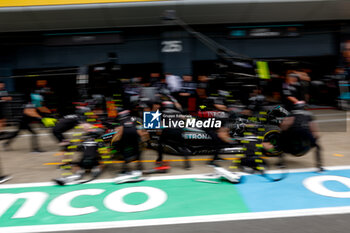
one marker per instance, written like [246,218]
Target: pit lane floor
[29,167]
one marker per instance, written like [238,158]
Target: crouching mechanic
[128,137]
[299,134]
[68,122]
[89,161]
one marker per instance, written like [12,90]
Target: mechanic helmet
[82,110]
[258,99]
[164,91]
[223,93]
[98,99]
[293,75]
[145,103]
[122,115]
[168,105]
[119,109]
[300,105]
[29,105]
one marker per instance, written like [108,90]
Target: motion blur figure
[159,82]
[4,97]
[202,89]
[89,162]
[344,68]
[187,93]
[305,80]
[300,134]
[68,122]
[174,83]
[291,91]
[127,139]
[171,136]
[219,136]
[29,115]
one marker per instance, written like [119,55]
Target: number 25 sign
[173,46]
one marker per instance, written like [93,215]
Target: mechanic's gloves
[49,122]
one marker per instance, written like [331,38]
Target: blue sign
[151,120]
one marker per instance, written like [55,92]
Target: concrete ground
[314,224]
[33,167]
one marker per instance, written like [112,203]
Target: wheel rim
[273,137]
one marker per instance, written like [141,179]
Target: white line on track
[43,134]
[331,114]
[173,177]
[178,220]
[333,120]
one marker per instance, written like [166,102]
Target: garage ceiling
[110,15]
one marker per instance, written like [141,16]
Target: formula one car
[195,141]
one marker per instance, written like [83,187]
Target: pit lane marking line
[172,177]
[338,155]
[332,120]
[41,134]
[331,114]
[179,220]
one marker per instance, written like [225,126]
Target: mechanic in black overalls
[172,136]
[218,136]
[291,91]
[89,161]
[29,115]
[300,134]
[68,122]
[127,139]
